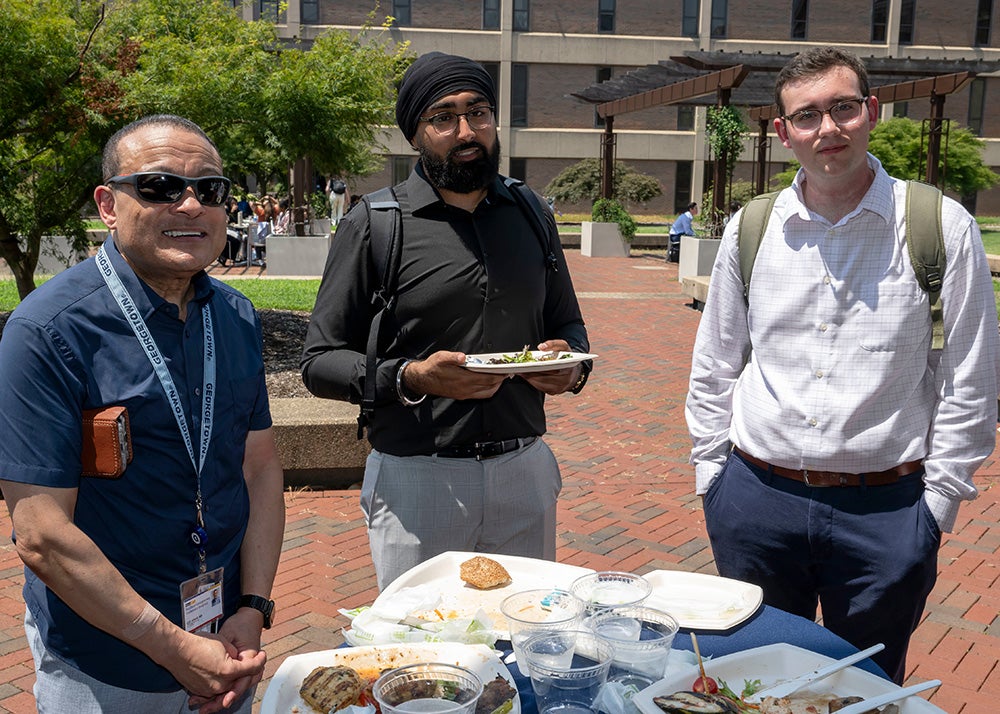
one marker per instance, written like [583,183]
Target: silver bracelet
[399,388]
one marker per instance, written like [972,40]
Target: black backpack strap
[540,218]
[385,227]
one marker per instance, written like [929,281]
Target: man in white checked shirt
[832,445]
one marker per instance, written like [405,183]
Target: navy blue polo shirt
[68,348]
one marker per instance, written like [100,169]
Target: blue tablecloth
[768,626]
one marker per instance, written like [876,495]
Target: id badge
[201,601]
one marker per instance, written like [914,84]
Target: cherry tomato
[706,685]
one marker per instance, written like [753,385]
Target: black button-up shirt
[468,282]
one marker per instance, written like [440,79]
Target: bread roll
[483,573]
[329,689]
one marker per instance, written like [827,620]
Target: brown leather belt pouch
[107,442]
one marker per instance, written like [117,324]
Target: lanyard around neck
[152,351]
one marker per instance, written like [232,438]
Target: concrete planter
[602,240]
[297,255]
[697,256]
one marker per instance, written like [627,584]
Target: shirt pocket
[898,322]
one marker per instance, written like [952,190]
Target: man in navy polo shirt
[146,590]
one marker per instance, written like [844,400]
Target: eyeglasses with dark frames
[444,123]
[844,113]
[160,187]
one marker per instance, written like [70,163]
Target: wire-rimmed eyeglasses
[843,113]
[444,123]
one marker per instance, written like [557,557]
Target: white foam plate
[480,362]
[459,600]
[282,695]
[777,663]
[703,602]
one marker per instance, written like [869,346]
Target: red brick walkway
[627,503]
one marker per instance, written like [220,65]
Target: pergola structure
[747,79]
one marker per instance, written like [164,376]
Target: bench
[696,288]
[317,441]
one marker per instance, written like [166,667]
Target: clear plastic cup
[642,638]
[533,611]
[610,589]
[567,669]
[428,688]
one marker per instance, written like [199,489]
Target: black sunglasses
[158,187]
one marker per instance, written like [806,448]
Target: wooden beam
[676,92]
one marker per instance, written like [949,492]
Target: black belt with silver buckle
[485,449]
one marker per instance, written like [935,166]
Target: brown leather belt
[834,478]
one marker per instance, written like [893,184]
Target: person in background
[831,443]
[458,462]
[121,564]
[339,196]
[683,226]
[734,207]
[283,222]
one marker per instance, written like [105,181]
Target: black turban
[435,75]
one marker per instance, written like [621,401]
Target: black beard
[464,177]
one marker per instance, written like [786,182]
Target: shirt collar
[422,194]
[878,198]
[145,296]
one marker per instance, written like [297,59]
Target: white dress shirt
[840,376]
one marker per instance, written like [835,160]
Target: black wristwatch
[264,606]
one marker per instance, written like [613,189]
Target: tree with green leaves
[75,71]
[582,182]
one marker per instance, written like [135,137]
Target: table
[767,626]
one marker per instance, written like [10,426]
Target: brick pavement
[627,503]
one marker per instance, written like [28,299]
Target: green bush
[608,210]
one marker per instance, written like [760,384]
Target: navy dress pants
[866,554]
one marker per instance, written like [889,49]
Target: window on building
[682,185]
[310,11]
[907,12]
[401,11]
[900,109]
[401,168]
[491,14]
[522,16]
[800,14]
[977,104]
[984,19]
[493,69]
[689,17]
[605,15]
[880,20]
[685,118]
[720,18]
[519,95]
[269,10]
[603,75]
[518,169]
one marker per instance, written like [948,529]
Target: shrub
[608,210]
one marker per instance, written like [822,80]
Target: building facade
[540,51]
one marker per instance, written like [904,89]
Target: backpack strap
[925,242]
[385,227]
[753,223]
[540,218]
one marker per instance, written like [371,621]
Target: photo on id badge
[201,600]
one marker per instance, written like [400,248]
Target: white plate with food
[524,361]
[775,663]
[283,695]
[703,602]
[460,600]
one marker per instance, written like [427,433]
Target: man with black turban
[458,462]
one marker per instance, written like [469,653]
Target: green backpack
[924,240]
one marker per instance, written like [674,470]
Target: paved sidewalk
[627,504]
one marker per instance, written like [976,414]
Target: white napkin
[391,621]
